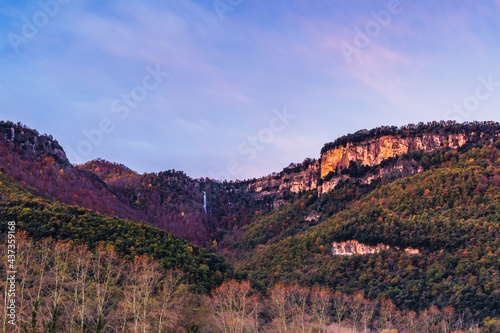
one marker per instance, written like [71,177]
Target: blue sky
[251,86]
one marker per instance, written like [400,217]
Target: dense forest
[41,219]
[65,287]
[169,200]
[105,249]
[175,202]
[450,213]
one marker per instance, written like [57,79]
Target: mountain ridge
[364,148]
[429,193]
[174,201]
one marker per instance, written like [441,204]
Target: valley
[395,218]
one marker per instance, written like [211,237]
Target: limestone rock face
[352,247]
[374,151]
[400,169]
[295,179]
[31,142]
[324,175]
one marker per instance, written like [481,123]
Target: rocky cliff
[295,178]
[367,153]
[352,247]
[374,151]
[30,142]
[363,149]
[324,175]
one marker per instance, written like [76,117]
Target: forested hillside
[41,219]
[39,164]
[432,216]
[175,202]
[65,287]
[450,213]
[169,200]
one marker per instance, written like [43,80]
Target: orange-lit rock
[352,247]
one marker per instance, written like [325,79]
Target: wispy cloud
[227,76]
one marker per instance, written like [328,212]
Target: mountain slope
[175,202]
[39,163]
[41,219]
[169,200]
[428,187]
[450,214]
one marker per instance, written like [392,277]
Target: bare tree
[387,314]
[356,310]
[429,318]
[25,249]
[340,306]
[141,279]
[80,259]
[3,284]
[321,307]
[410,322]
[23,266]
[234,307]
[449,317]
[39,271]
[298,297]
[106,269]
[58,275]
[279,306]
[368,308]
[169,301]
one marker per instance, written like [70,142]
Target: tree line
[434,127]
[450,213]
[64,287]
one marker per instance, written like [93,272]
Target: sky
[237,89]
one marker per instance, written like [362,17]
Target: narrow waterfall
[205,202]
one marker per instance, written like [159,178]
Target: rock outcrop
[366,151]
[324,175]
[374,151]
[296,178]
[30,142]
[352,247]
[369,149]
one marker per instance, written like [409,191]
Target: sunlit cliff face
[374,151]
[366,153]
[352,247]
